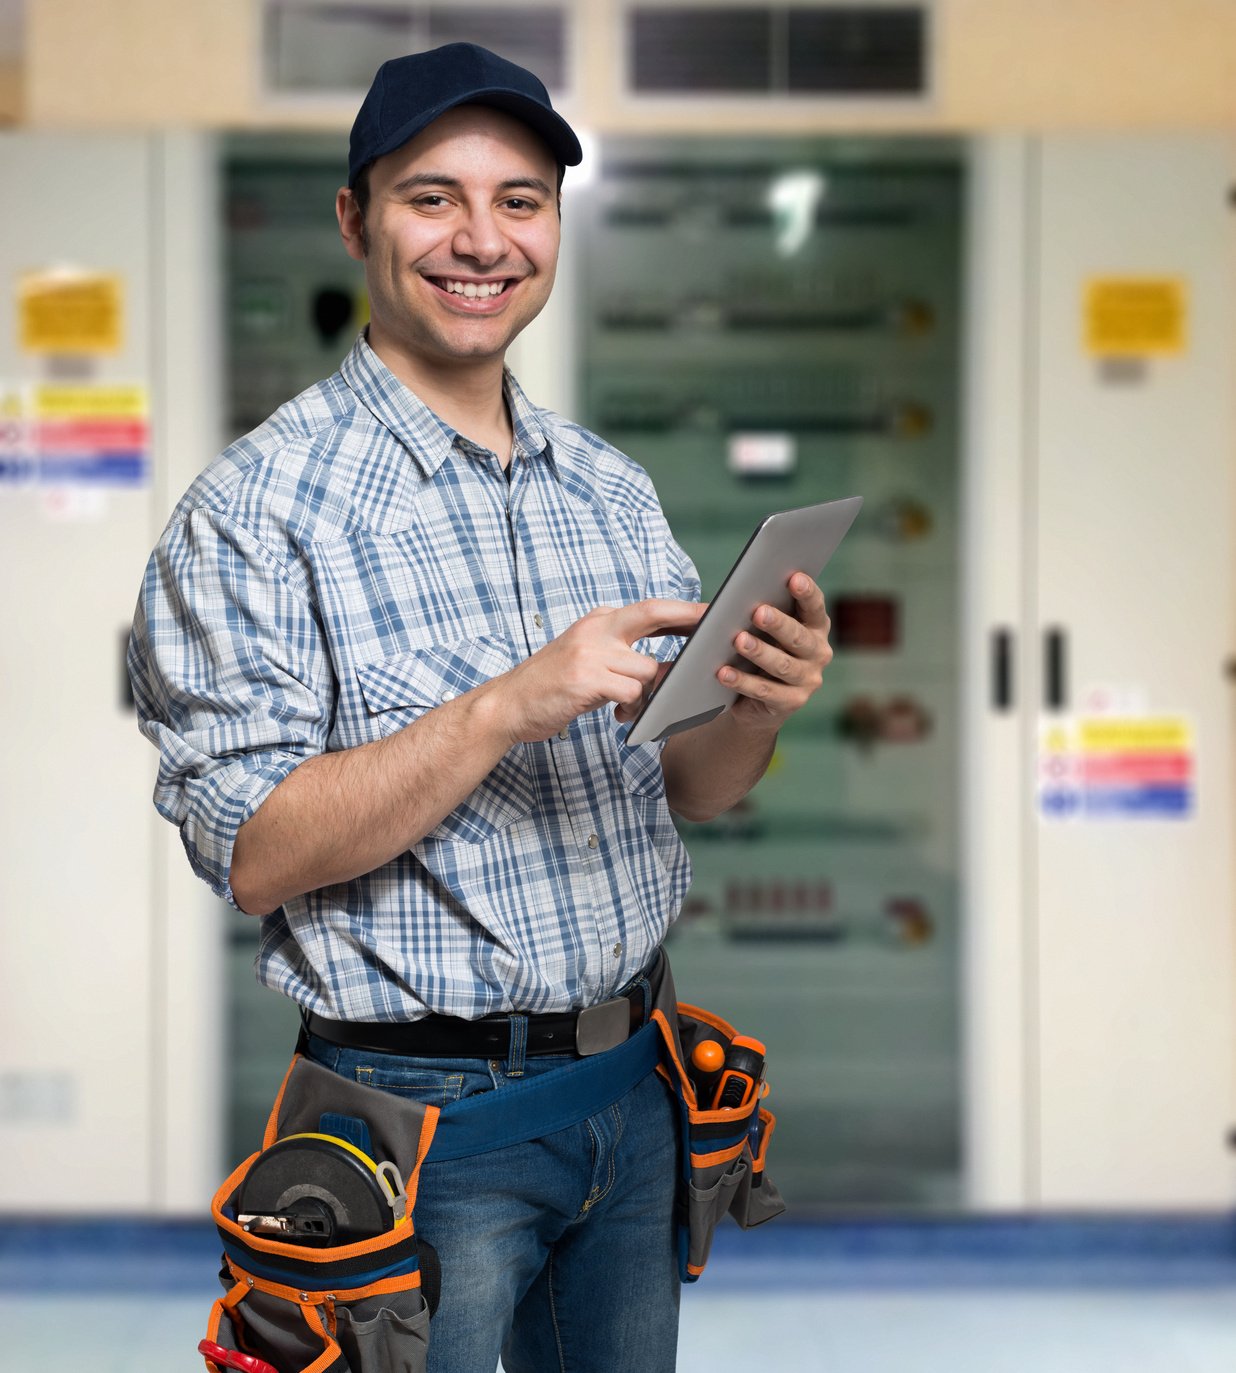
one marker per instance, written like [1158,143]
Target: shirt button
[617,950]
[447,696]
[536,620]
[564,733]
[593,841]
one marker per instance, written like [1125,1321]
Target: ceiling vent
[333,48]
[872,50]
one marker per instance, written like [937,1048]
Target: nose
[480,237]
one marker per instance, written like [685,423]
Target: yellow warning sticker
[1136,316]
[70,312]
[75,401]
[1117,734]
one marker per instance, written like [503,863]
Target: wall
[1001,64]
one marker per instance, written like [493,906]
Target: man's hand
[790,668]
[589,665]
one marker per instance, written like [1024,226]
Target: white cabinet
[109,1036]
[1101,967]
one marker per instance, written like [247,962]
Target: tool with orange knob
[741,1075]
[707,1060]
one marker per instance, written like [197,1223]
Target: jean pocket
[433,1086]
[400,690]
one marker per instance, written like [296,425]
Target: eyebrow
[419,179]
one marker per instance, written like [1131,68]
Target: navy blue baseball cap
[409,93]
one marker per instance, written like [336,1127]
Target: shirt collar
[428,438]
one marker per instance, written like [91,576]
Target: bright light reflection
[794,198]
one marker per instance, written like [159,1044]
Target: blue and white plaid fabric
[340,571]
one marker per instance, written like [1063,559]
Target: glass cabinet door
[768,324]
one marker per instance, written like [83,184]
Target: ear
[351,225]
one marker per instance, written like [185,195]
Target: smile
[470,289]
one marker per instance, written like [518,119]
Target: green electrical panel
[766,324]
[762,323]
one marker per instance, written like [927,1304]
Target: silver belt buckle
[602,1027]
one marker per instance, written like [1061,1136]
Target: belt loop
[644,983]
[518,1046]
[646,987]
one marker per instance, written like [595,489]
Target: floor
[1002,1296]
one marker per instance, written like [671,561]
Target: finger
[643,619]
[810,601]
[641,666]
[624,690]
[757,686]
[789,632]
[770,658]
[624,713]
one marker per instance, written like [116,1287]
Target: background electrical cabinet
[765,324]
[967,996]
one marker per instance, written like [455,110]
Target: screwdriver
[707,1058]
[740,1077]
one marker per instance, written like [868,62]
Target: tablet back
[788,541]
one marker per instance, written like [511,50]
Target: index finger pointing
[644,619]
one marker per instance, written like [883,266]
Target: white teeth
[472,289]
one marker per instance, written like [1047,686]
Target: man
[379,647]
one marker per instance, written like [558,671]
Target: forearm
[711,768]
[340,815]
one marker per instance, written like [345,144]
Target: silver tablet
[789,541]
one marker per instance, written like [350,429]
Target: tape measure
[318,1189]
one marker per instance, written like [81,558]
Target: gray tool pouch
[355,1307]
[723,1151]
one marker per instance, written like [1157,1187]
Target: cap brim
[550,125]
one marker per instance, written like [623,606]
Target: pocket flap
[429,676]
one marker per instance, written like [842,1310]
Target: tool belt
[722,1150]
[334,1303]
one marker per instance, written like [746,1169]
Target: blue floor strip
[1196,1250]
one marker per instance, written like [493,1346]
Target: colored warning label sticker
[74,435]
[75,401]
[1116,734]
[1117,767]
[70,312]
[1136,316]
[16,459]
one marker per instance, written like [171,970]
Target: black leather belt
[590,1031]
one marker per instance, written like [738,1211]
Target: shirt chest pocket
[399,690]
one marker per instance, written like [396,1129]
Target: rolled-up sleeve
[231,679]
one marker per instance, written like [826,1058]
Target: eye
[430,201]
[520,204]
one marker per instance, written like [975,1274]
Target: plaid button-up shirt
[345,568]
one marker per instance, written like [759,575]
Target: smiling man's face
[460,241]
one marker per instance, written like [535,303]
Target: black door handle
[1002,669]
[1055,669]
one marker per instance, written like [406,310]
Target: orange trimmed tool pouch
[723,1151]
[343,1307]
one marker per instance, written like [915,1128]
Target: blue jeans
[559,1255]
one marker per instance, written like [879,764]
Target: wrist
[489,717]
